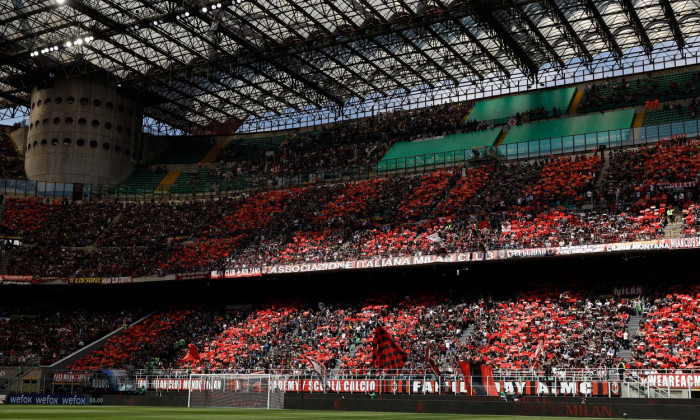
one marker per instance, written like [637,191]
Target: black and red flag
[432,364]
[386,352]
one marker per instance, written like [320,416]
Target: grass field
[10,412]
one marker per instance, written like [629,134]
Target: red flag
[386,353]
[192,354]
[464,367]
[432,363]
[317,366]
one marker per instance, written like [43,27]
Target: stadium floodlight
[78,41]
[69,44]
[204,9]
[60,1]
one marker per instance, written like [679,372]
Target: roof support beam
[604,29]
[673,22]
[465,31]
[331,57]
[628,7]
[482,10]
[277,63]
[536,31]
[308,63]
[409,41]
[554,11]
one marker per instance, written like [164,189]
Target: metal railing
[601,382]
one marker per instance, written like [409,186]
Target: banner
[675,185]
[553,388]
[70,378]
[457,257]
[674,380]
[192,276]
[237,273]
[208,384]
[116,280]
[625,291]
[15,280]
[85,280]
[118,379]
[47,399]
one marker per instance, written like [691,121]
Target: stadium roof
[197,63]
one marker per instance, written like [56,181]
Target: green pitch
[169,413]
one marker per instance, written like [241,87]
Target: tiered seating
[150,339]
[670,337]
[564,179]
[24,215]
[425,196]
[571,126]
[142,181]
[513,205]
[248,342]
[677,113]
[540,326]
[442,150]
[51,336]
[642,176]
[501,109]
[542,329]
[250,148]
[463,192]
[11,164]
[623,93]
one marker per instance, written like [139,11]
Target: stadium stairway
[573,108]
[632,327]
[674,229]
[466,333]
[167,181]
[215,152]
[4,259]
[63,364]
[30,378]
[601,173]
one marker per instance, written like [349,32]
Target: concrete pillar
[82,132]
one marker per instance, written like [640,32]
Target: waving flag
[386,353]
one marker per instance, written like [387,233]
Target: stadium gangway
[583,143]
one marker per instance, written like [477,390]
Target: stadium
[349,209]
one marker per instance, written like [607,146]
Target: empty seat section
[451,148]
[501,109]
[564,135]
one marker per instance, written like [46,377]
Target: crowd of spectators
[11,164]
[668,336]
[543,326]
[359,143]
[551,201]
[52,335]
[650,88]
